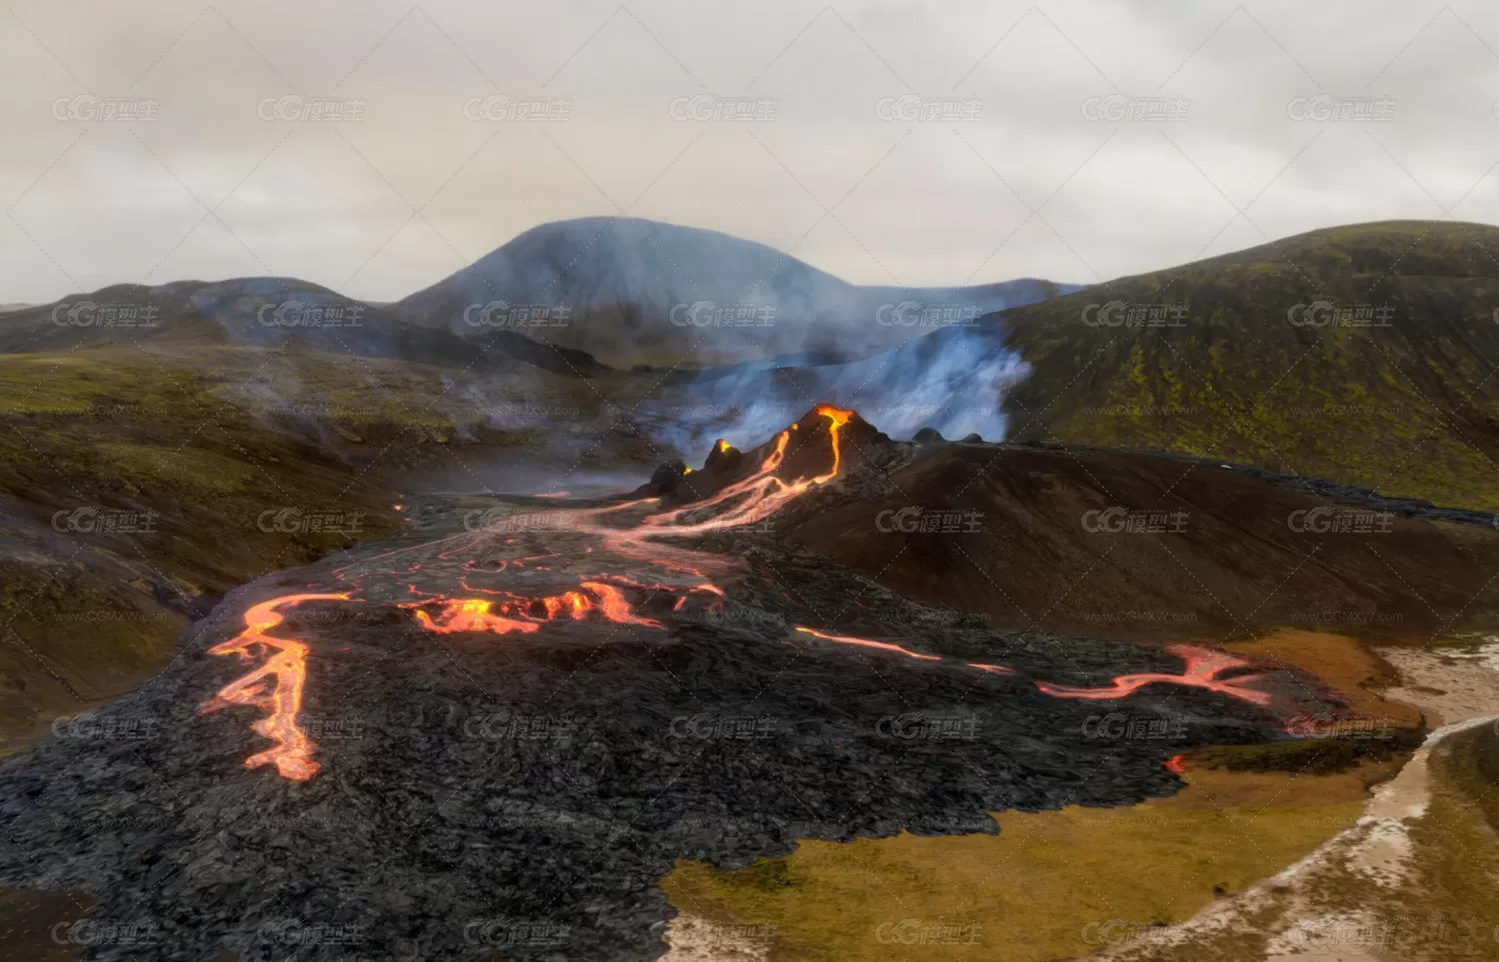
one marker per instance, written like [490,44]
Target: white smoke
[953,381]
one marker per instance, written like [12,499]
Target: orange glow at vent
[754,498]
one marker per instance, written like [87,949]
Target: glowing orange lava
[522,614]
[839,417]
[471,614]
[865,642]
[276,687]
[756,497]
[615,608]
[1202,671]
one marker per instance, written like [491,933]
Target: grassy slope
[1471,765]
[1409,408]
[1032,891]
[86,615]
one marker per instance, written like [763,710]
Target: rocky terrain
[492,736]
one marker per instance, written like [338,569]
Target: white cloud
[870,199]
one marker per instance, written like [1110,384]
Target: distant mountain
[1366,354]
[639,292]
[267,312]
[575,297]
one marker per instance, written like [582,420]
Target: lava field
[493,736]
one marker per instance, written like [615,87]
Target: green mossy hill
[1365,354]
[132,495]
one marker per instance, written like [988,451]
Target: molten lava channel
[866,643]
[758,496]
[471,614]
[275,687]
[1203,670]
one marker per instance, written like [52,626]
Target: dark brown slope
[1224,555]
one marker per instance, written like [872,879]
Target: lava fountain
[276,686]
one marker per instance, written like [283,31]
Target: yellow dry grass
[1051,885]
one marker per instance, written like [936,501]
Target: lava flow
[1203,669]
[468,605]
[518,613]
[762,493]
[993,669]
[276,687]
[472,614]
[866,643]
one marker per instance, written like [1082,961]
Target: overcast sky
[920,142]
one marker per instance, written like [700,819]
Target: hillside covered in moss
[1365,354]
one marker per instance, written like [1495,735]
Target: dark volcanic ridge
[520,790]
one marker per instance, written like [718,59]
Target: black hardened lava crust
[521,796]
